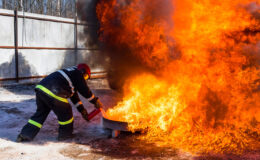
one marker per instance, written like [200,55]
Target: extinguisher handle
[93,114]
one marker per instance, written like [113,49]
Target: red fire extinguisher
[93,113]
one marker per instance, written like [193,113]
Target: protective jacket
[63,84]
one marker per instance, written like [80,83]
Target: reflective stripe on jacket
[67,82]
[47,91]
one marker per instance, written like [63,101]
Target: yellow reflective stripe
[66,122]
[52,94]
[35,123]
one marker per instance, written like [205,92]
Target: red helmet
[85,68]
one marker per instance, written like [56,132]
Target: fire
[202,91]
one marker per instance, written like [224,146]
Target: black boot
[21,138]
[65,132]
[63,137]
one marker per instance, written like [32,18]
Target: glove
[84,114]
[98,104]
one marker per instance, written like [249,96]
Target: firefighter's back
[57,84]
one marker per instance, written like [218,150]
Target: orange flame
[204,95]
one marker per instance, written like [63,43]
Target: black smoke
[124,62]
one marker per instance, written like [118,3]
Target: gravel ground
[92,141]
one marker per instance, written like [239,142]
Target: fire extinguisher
[95,112]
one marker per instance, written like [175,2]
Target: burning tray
[114,126]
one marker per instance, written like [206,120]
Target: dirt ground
[92,141]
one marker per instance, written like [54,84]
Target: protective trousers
[45,104]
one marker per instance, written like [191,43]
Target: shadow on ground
[128,145]
[13,116]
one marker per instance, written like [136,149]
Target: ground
[92,141]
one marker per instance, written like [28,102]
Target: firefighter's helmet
[84,68]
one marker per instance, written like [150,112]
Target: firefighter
[53,93]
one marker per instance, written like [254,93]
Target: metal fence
[61,8]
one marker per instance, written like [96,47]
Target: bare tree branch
[62,8]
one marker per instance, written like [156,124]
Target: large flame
[203,94]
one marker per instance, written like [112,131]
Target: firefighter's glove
[84,114]
[98,104]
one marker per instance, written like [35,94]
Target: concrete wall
[7,63]
[46,34]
